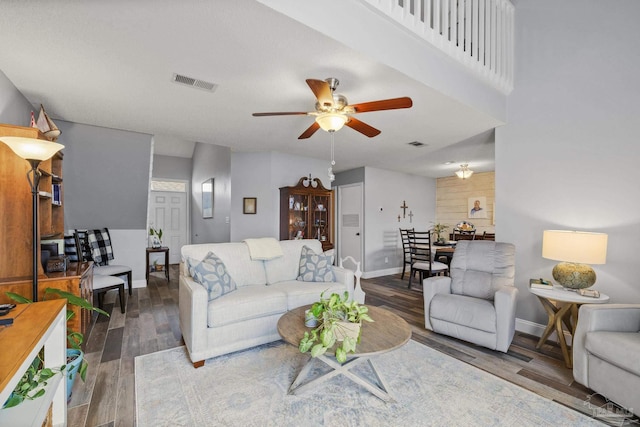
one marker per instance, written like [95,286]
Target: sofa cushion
[247,302]
[479,268]
[463,310]
[315,267]
[287,267]
[235,256]
[625,345]
[212,274]
[299,294]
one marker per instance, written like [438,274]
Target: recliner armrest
[431,286]
[504,301]
[600,317]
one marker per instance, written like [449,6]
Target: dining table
[443,250]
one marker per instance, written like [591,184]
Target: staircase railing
[477,33]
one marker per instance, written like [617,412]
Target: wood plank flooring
[150,324]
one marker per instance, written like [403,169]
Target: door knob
[357,234]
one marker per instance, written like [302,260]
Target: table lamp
[34,151]
[575,249]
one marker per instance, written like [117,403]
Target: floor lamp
[34,151]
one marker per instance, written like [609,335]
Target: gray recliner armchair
[477,302]
[606,346]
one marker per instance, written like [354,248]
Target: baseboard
[139,283]
[379,273]
[536,329]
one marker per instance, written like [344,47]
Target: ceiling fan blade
[280,114]
[322,91]
[362,127]
[385,104]
[310,131]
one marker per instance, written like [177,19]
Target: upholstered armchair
[477,301]
[606,346]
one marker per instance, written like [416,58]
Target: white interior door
[168,210]
[350,222]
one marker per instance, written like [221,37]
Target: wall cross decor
[404,209]
[410,217]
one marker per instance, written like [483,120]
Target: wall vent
[196,83]
[417,144]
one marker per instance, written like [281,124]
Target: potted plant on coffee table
[76,363]
[339,321]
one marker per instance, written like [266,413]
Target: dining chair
[406,249]
[102,283]
[422,260]
[488,236]
[96,247]
[464,235]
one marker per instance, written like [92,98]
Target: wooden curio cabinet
[306,212]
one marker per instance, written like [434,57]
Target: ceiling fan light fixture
[464,172]
[331,122]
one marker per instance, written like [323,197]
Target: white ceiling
[111,63]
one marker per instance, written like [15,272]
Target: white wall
[261,174]
[388,190]
[568,157]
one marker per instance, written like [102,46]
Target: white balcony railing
[477,33]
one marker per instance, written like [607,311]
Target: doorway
[168,210]
[350,238]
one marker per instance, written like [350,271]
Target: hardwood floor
[150,324]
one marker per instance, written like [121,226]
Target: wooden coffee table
[387,333]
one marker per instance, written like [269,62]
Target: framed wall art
[207,198]
[477,207]
[249,205]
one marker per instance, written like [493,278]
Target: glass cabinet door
[298,216]
[319,217]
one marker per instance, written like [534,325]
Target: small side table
[562,306]
[166,260]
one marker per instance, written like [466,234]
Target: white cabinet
[36,326]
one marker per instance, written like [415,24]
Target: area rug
[249,388]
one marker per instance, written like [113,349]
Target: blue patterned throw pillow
[212,274]
[314,267]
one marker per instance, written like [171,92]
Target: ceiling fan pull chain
[332,177]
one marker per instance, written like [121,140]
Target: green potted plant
[339,320]
[36,376]
[157,233]
[438,229]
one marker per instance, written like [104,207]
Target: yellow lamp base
[574,276]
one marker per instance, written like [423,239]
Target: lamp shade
[31,148]
[575,246]
[331,122]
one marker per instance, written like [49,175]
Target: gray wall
[352,176]
[211,161]
[106,176]
[171,167]
[14,107]
[568,157]
[261,175]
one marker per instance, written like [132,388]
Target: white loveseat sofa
[248,316]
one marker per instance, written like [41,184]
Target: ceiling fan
[333,110]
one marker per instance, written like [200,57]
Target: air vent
[417,144]
[196,83]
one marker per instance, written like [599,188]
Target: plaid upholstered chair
[102,283]
[95,245]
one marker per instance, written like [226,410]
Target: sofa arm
[431,286]
[504,301]
[600,317]
[193,302]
